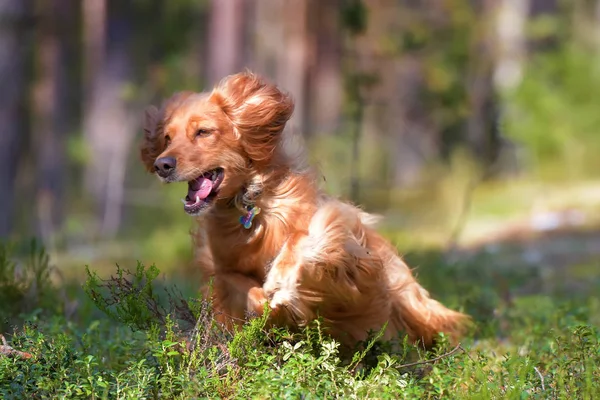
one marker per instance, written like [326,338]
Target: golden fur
[307,254]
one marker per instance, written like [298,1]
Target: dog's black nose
[165,166]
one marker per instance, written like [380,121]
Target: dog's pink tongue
[200,188]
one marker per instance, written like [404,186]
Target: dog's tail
[350,263]
[420,316]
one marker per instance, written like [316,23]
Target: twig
[6,350]
[465,210]
[541,377]
[466,352]
[448,354]
[464,213]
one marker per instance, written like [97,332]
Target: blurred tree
[280,50]
[109,124]
[510,42]
[434,63]
[13,95]
[402,83]
[225,39]
[553,113]
[549,7]
[171,53]
[483,137]
[94,42]
[52,122]
[398,51]
[354,15]
[294,58]
[267,37]
[325,91]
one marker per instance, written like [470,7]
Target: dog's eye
[202,132]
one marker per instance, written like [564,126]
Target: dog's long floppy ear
[151,145]
[258,111]
[153,142]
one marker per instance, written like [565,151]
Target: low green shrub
[156,344]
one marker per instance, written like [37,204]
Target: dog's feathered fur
[307,254]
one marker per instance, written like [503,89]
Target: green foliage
[123,365]
[554,113]
[25,285]
[453,281]
[422,33]
[131,302]
[545,348]
[354,16]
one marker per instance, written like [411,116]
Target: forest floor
[529,279]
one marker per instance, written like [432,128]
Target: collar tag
[246,220]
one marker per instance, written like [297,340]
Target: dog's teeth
[197,199]
[183,201]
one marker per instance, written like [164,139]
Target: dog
[267,234]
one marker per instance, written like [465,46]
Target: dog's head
[213,140]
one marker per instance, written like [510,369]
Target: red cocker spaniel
[266,233]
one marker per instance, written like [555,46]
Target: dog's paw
[256,300]
[281,298]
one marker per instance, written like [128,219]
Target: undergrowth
[156,343]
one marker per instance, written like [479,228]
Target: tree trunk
[94,42]
[413,137]
[267,38]
[293,59]
[398,116]
[225,36]
[325,81]
[109,123]
[597,22]
[510,42]
[483,136]
[13,95]
[281,49]
[543,6]
[51,111]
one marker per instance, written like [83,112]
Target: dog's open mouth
[202,191]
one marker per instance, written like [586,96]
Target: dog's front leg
[237,294]
[283,280]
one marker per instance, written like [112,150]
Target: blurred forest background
[465,122]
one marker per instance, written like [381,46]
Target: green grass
[136,336]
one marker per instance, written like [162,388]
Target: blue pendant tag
[246,220]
